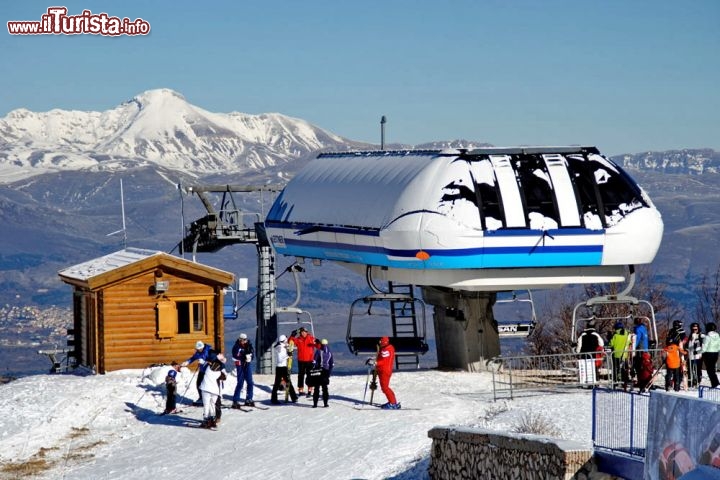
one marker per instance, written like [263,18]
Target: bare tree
[707,309]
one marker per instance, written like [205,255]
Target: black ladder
[404,322]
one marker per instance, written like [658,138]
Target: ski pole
[189,383]
[367,382]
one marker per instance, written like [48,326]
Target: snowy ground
[106,426]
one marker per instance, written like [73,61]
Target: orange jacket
[672,356]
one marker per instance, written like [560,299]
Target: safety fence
[620,419]
[541,373]
[709,393]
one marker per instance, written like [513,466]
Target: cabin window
[191,316]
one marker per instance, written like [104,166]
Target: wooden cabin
[136,307]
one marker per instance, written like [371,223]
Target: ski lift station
[461,225]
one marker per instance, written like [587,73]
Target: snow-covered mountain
[156,127]
[687,161]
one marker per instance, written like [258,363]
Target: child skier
[171,386]
[211,389]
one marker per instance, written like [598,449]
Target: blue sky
[626,76]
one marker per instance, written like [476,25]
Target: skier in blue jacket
[640,348]
[242,353]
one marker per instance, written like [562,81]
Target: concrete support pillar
[466,332]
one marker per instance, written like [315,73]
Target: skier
[211,388]
[305,345]
[676,334]
[619,345]
[203,354]
[171,386]
[280,350]
[242,353]
[591,343]
[695,341]
[640,348]
[384,366]
[323,359]
[589,340]
[673,362]
[711,348]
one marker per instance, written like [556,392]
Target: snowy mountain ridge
[155,127]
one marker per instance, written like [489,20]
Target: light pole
[383,121]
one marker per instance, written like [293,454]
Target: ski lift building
[136,307]
[489,219]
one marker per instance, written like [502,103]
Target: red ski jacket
[385,359]
[305,347]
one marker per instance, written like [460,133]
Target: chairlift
[519,328]
[614,308]
[231,298]
[621,306]
[407,338]
[302,317]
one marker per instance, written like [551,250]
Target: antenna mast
[122,209]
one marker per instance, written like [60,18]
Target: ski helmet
[199,345]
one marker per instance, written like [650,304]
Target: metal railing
[709,393]
[529,373]
[512,375]
[619,421]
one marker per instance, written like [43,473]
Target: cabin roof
[116,266]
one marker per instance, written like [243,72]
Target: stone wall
[473,453]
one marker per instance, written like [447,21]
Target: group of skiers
[315,365]
[631,357]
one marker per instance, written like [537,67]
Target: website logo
[57,22]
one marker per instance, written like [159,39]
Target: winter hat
[199,345]
[384,341]
[676,324]
[282,338]
[242,337]
[619,324]
[324,341]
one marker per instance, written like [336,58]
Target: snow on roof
[97,266]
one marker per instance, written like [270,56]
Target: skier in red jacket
[384,366]
[305,346]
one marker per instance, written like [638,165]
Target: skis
[199,425]
[377,406]
[175,412]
